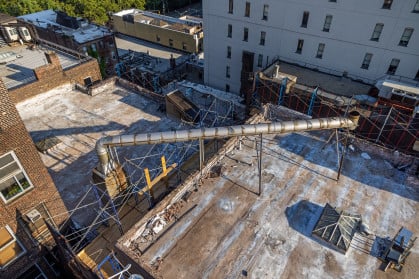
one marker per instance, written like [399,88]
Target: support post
[165,172]
[385,123]
[343,154]
[149,187]
[313,98]
[282,90]
[201,154]
[260,166]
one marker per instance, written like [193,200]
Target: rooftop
[190,25]
[225,230]
[17,68]
[81,30]
[328,82]
[157,58]
[78,121]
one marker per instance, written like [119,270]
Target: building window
[101,44]
[334,1]
[305,19]
[265,12]
[300,46]
[262,38]
[184,46]
[393,66]
[320,51]
[387,4]
[327,23]
[13,179]
[10,247]
[157,38]
[416,7]
[247,10]
[171,42]
[228,51]
[229,30]
[245,34]
[227,71]
[367,60]
[417,75]
[93,46]
[404,40]
[260,60]
[227,87]
[377,32]
[230,6]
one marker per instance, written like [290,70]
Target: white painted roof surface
[81,35]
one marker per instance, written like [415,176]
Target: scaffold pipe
[282,127]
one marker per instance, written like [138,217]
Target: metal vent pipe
[219,132]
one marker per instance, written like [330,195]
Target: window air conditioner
[34,215]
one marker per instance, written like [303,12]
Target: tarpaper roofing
[336,227]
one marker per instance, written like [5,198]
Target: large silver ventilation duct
[219,132]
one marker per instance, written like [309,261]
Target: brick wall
[15,137]
[52,75]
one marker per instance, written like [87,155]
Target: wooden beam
[152,183]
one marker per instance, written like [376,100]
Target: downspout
[106,165]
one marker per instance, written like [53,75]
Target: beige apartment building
[185,33]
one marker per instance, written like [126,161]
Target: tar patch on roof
[336,227]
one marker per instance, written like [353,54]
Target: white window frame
[366,61]
[327,23]
[376,34]
[260,60]
[265,12]
[12,175]
[405,38]
[320,50]
[10,243]
[416,7]
[262,38]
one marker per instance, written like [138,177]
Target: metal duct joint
[282,127]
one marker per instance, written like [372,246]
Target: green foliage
[95,11]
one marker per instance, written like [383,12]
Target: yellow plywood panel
[9,253]
[5,237]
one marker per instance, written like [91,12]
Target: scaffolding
[385,122]
[146,166]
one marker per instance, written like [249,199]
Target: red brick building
[28,198]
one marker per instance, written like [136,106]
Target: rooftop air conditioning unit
[34,215]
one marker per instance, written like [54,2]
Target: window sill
[14,198]
[374,40]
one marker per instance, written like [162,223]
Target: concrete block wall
[15,137]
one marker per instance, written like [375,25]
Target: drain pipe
[106,165]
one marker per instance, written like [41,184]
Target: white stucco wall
[346,43]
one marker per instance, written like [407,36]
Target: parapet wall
[123,244]
[52,75]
